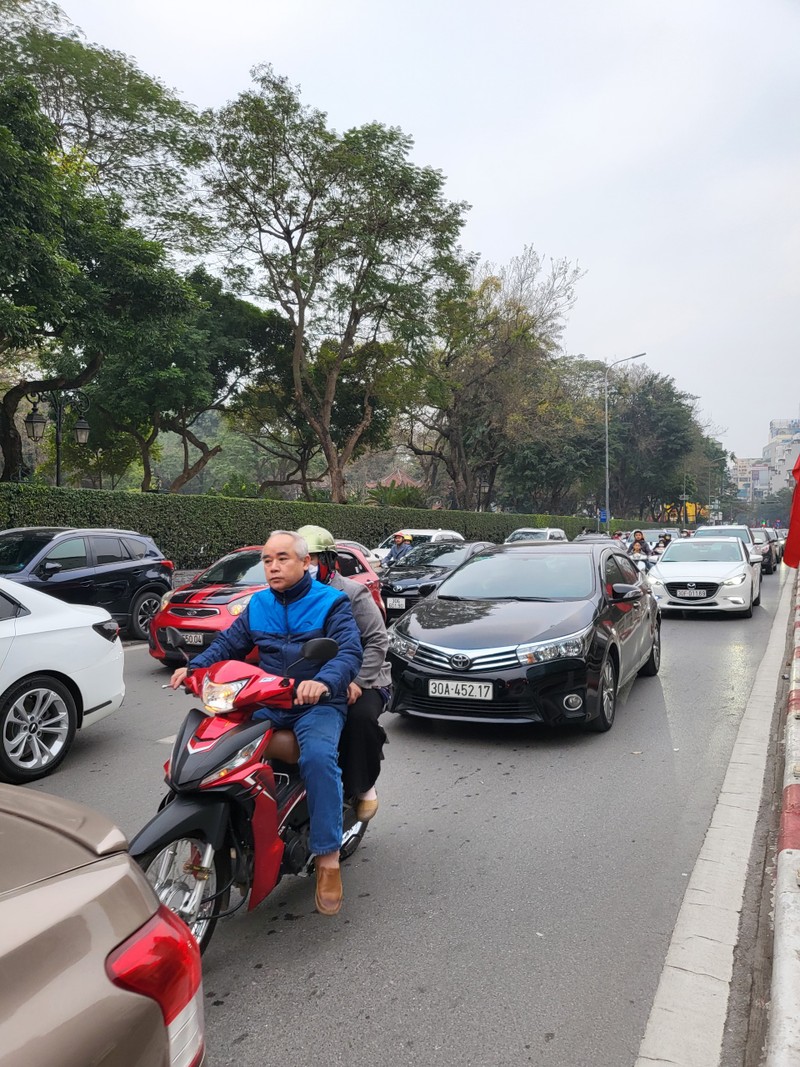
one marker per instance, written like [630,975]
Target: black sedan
[543,633]
[424,566]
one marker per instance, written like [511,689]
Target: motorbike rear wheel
[173,872]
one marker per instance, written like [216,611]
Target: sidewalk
[783,1040]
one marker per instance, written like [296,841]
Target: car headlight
[244,755]
[402,646]
[739,579]
[655,578]
[572,646]
[219,696]
[165,600]
[238,606]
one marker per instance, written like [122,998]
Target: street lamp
[35,422]
[610,367]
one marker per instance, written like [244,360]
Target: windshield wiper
[450,596]
[540,599]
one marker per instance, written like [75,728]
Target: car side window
[137,549]
[109,550]
[70,553]
[612,575]
[629,573]
[349,564]
[9,609]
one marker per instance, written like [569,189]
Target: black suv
[119,570]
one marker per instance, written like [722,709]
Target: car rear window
[18,549]
[433,556]
[527,535]
[726,531]
[545,576]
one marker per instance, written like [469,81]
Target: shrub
[193,531]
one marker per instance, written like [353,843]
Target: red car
[214,597]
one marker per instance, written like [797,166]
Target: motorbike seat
[283,746]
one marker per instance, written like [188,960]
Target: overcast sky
[656,145]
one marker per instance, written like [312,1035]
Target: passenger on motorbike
[278,620]
[363,738]
[638,540]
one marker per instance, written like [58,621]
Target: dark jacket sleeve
[340,671]
[233,643]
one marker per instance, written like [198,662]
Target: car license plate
[440,687]
[192,639]
[699,593]
[395,602]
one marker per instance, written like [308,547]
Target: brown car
[92,968]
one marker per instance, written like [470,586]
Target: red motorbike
[236,815]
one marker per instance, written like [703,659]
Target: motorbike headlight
[402,646]
[244,755]
[238,606]
[738,579]
[165,600]
[219,696]
[572,646]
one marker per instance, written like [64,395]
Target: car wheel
[169,871]
[143,608]
[747,613]
[38,719]
[606,699]
[651,667]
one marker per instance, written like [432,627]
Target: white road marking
[687,1019]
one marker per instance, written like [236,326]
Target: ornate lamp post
[59,401]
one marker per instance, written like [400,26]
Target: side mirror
[47,570]
[624,592]
[173,639]
[426,588]
[755,557]
[320,649]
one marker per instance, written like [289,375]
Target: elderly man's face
[282,566]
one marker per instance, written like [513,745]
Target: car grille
[193,613]
[709,589]
[485,659]
[472,709]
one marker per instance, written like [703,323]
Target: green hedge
[193,531]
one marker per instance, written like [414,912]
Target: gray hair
[300,543]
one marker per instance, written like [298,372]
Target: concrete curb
[783,1038]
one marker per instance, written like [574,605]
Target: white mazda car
[60,670]
[707,574]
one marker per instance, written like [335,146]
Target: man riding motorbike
[363,738]
[400,548]
[278,620]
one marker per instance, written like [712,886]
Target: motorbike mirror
[173,639]
[320,649]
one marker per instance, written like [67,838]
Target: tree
[486,379]
[136,137]
[343,233]
[76,283]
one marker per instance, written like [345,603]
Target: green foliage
[193,531]
[397,496]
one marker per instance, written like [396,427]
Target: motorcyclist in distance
[400,548]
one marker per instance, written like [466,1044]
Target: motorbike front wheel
[183,885]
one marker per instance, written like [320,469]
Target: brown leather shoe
[328,897]
[365,809]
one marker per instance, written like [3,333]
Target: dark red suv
[119,570]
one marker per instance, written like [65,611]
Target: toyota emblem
[460,663]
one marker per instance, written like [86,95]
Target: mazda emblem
[460,663]
[692,585]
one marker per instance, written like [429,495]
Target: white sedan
[60,670]
[707,574]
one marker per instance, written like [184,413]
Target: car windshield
[416,539]
[433,556]
[239,568]
[721,531]
[18,549]
[527,535]
[701,552]
[545,576]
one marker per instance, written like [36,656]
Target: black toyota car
[542,633]
[421,571]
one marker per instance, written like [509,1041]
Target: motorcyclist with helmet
[400,548]
[361,744]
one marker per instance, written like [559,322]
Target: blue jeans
[317,730]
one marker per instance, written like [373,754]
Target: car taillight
[162,961]
[168,564]
[108,629]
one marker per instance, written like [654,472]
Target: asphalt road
[514,897]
